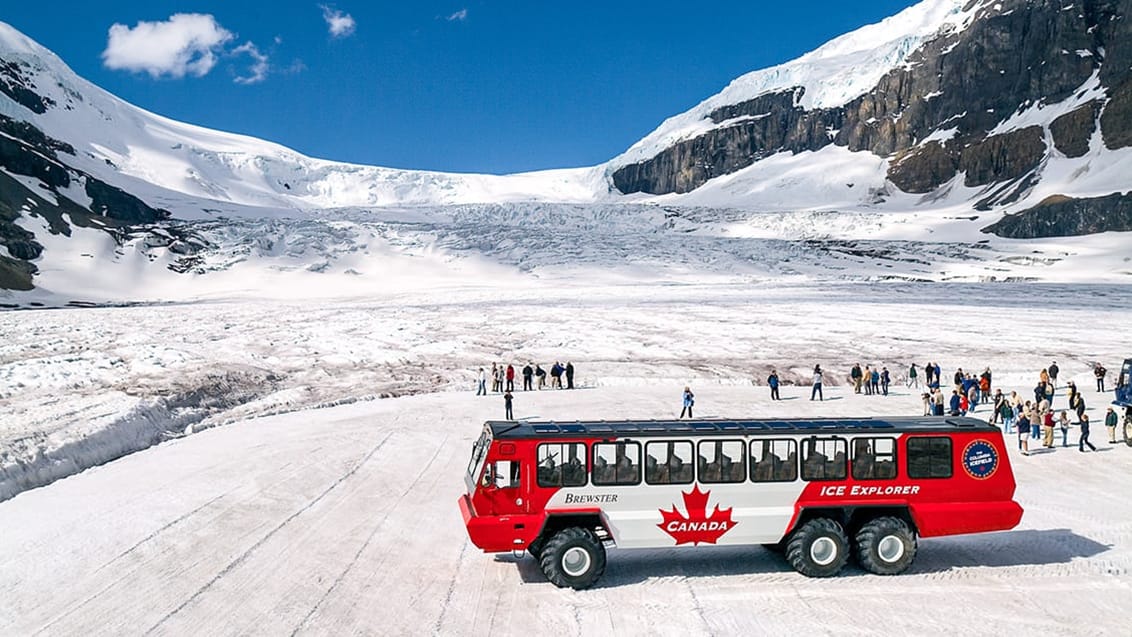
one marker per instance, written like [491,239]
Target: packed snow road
[344,521]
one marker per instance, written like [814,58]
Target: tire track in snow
[161,530]
[373,534]
[244,556]
[451,588]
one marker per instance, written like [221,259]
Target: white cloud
[460,15]
[258,71]
[340,23]
[185,44]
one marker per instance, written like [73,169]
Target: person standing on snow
[528,372]
[481,384]
[507,400]
[985,386]
[689,401]
[816,391]
[1024,433]
[956,402]
[885,379]
[540,373]
[772,382]
[855,375]
[1005,411]
[1063,423]
[1110,420]
[913,377]
[510,377]
[1099,372]
[569,371]
[1053,371]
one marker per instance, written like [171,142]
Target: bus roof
[681,428]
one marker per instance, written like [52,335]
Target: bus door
[503,486]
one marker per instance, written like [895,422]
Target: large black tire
[1128,431]
[886,546]
[573,558]
[535,548]
[818,549]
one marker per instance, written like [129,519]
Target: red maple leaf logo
[697,526]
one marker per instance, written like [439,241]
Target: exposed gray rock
[1064,217]
[1018,53]
[1072,131]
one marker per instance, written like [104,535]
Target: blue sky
[464,86]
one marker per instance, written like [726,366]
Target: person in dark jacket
[528,375]
[956,401]
[569,371]
[1084,439]
[540,374]
[772,382]
[1099,373]
[1110,420]
[885,379]
[855,375]
[1053,371]
[507,400]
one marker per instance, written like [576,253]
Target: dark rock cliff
[26,151]
[1016,54]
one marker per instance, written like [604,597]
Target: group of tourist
[503,381]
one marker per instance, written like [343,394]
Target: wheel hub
[823,551]
[890,548]
[576,561]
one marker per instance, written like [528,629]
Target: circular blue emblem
[980,459]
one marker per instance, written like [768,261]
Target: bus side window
[617,463]
[504,473]
[824,459]
[774,460]
[562,465]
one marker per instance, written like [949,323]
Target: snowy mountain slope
[128,146]
[831,75]
[86,180]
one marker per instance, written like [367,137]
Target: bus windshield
[479,451]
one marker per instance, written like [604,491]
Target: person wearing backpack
[1099,372]
[772,382]
[1005,411]
[816,389]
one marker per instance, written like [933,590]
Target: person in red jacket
[510,377]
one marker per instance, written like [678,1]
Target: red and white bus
[816,490]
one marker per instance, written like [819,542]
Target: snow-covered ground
[344,521]
[79,387]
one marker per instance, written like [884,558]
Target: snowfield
[344,521]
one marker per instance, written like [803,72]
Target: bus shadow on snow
[1025,547]
[935,556]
